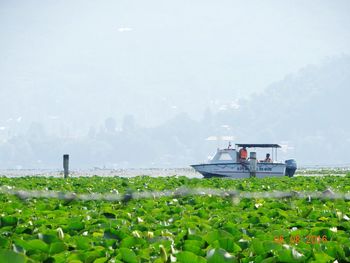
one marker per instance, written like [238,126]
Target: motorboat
[228,163]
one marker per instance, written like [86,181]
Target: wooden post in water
[66,165]
[252,164]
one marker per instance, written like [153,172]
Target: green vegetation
[185,228]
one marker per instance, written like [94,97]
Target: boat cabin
[225,156]
[230,155]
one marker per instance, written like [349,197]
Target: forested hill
[306,111]
[309,109]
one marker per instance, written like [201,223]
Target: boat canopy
[257,145]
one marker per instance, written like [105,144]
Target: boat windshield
[225,157]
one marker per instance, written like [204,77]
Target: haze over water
[126,84]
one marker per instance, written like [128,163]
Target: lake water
[189,172]
[154,172]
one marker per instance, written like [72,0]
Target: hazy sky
[162,56]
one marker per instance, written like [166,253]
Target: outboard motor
[291,167]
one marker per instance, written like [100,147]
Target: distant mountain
[307,109]
[306,112]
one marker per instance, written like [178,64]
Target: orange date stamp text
[296,239]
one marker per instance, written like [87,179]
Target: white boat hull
[240,170]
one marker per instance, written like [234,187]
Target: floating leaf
[37,244]
[8,221]
[101,260]
[219,255]
[109,215]
[8,256]
[83,243]
[76,225]
[217,235]
[47,238]
[57,247]
[128,255]
[186,256]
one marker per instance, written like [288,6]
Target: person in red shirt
[243,154]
